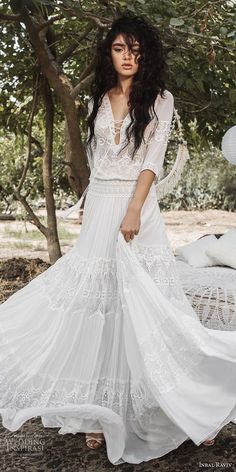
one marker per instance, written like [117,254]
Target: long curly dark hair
[147,83]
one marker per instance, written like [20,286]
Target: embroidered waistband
[115,187]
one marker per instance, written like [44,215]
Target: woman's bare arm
[144,182]
[131,223]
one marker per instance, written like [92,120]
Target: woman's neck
[123,86]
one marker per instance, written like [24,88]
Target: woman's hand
[130,224]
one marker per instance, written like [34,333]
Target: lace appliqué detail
[120,188]
[129,400]
[171,349]
[160,133]
[83,287]
[167,357]
[159,262]
[113,161]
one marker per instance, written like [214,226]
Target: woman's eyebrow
[123,44]
[118,44]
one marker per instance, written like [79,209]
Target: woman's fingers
[130,224]
[129,234]
[127,237]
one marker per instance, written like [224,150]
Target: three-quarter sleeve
[157,143]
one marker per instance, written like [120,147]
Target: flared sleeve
[157,141]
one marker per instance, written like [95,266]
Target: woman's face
[125,61]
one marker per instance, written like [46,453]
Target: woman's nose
[127,53]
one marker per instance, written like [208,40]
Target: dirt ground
[182,227]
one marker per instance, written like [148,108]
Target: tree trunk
[77,169]
[53,244]
[78,172]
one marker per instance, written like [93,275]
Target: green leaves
[176,22]
[201,90]
[232,95]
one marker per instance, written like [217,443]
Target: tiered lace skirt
[106,340]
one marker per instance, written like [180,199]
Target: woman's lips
[126,66]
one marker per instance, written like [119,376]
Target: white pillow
[223,251]
[195,253]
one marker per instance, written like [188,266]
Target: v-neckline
[112,120]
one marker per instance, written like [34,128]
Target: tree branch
[33,217]
[199,35]
[69,51]
[63,88]
[6,17]
[51,21]
[82,85]
[193,104]
[202,8]
[97,20]
[28,158]
[35,140]
[63,164]
[17,190]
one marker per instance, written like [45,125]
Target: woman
[105,341]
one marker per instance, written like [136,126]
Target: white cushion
[195,253]
[223,251]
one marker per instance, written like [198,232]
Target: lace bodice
[104,159]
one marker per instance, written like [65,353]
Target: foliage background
[199,37]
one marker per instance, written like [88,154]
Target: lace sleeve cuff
[151,166]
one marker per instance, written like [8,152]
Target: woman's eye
[134,51]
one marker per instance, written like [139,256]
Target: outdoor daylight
[117,236]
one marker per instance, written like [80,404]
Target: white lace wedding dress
[105,339]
